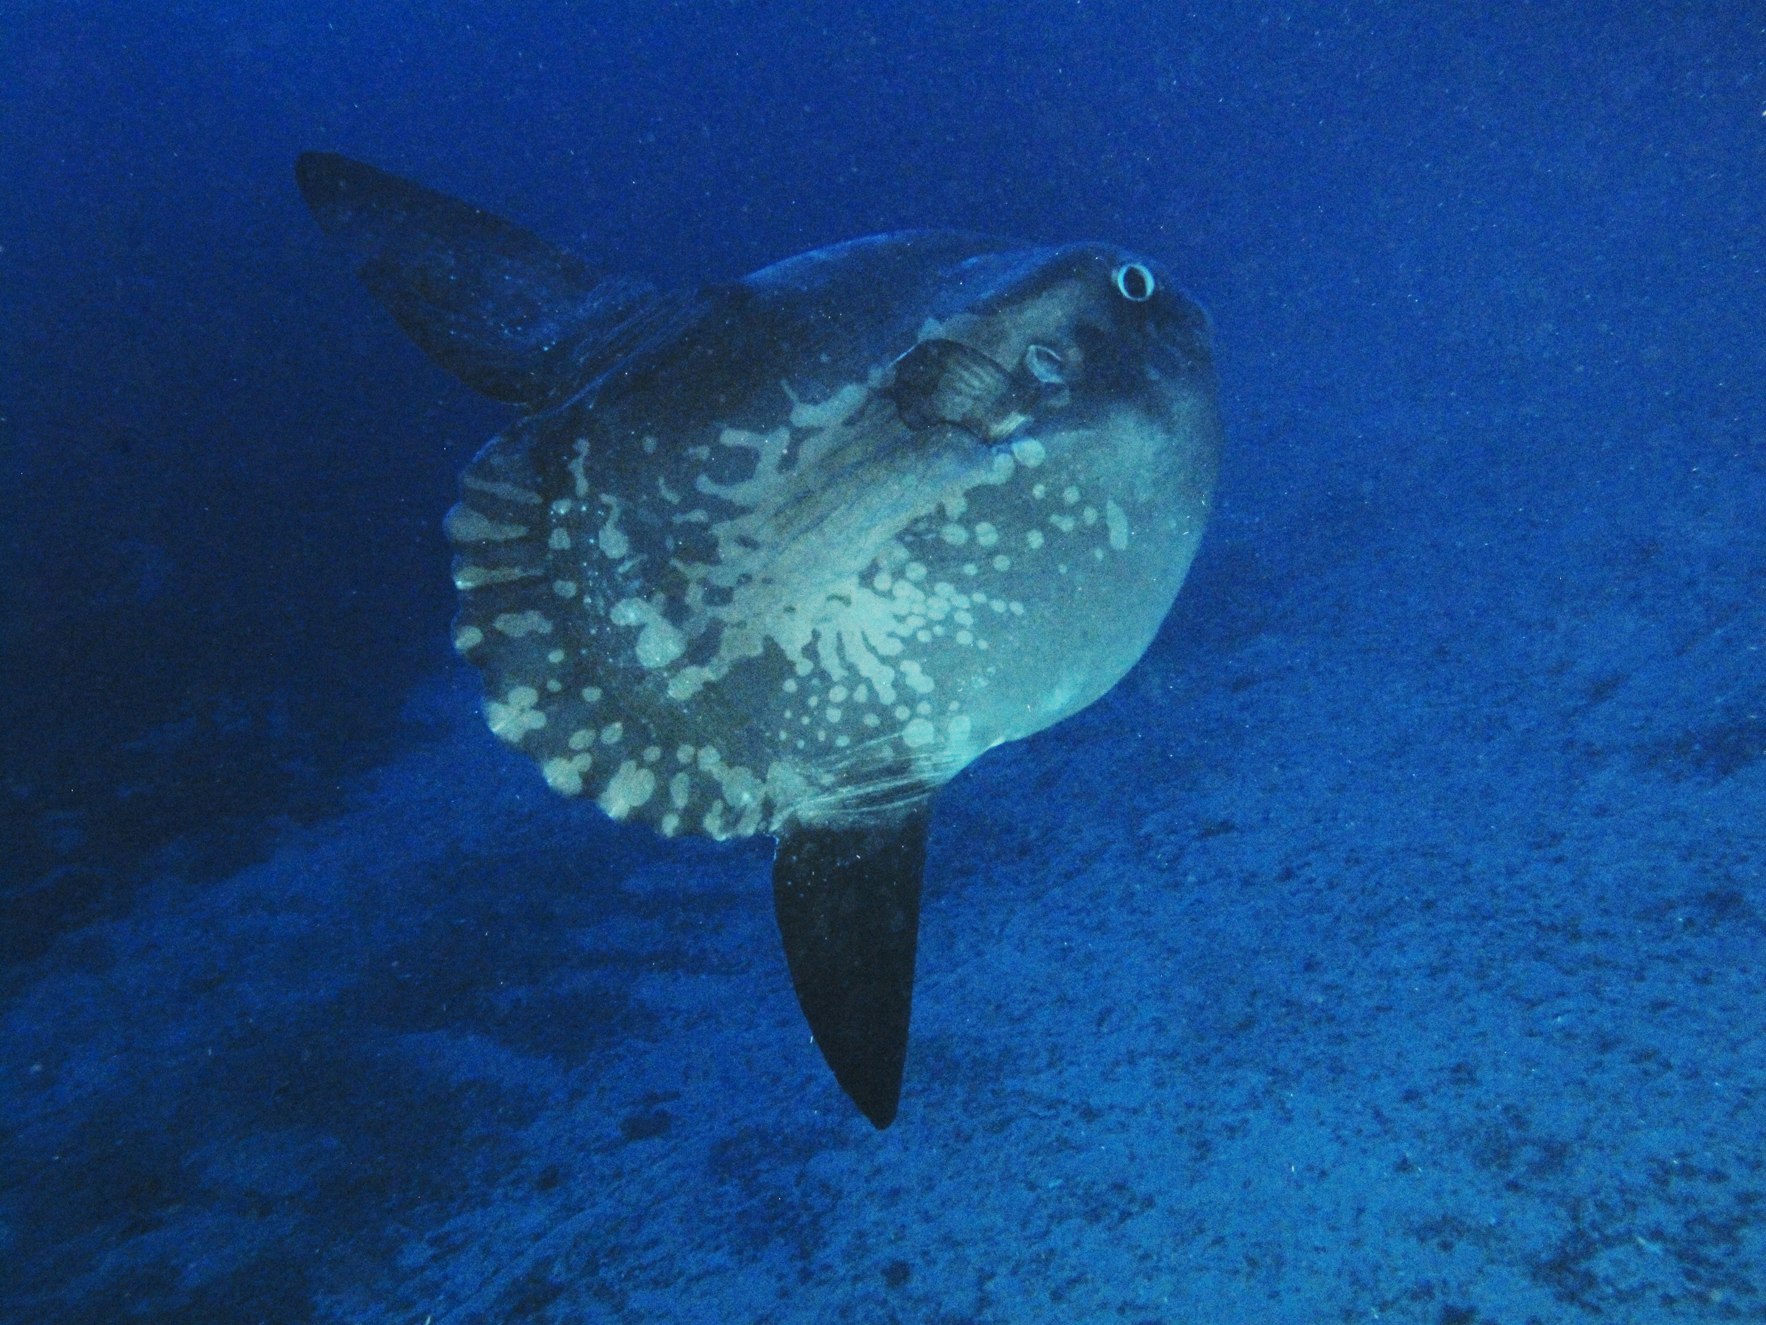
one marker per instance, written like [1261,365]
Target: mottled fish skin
[784,556]
[724,587]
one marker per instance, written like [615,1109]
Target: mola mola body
[782,556]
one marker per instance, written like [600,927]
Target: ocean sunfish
[783,555]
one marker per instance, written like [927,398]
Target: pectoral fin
[945,381]
[848,906]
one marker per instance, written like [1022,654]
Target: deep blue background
[224,472]
[1524,244]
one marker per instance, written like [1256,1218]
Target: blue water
[1388,946]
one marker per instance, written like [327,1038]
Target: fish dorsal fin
[504,311]
[947,382]
[848,905]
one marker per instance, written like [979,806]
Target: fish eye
[1135,283]
[1045,365]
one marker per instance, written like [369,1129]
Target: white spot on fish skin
[566,775]
[591,694]
[462,524]
[516,716]
[1033,539]
[1089,516]
[713,823]
[468,637]
[986,535]
[563,507]
[741,787]
[629,788]
[1116,521]
[916,679]
[1029,452]
[770,450]
[578,473]
[613,733]
[918,733]
[680,790]
[564,588]
[671,824]
[954,534]
[555,656]
[955,506]
[687,682]
[1065,523]
[1039,491]
[516,625]
[659,642]
[1070,495]
[560,540]
[614,543]
[835,410]
[581,739]
[1002,562]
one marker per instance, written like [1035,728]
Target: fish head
[1061,409]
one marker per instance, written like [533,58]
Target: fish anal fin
[847,900]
